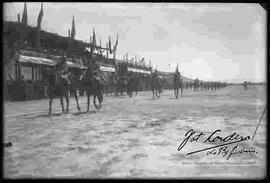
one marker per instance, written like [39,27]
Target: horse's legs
[88,100]
[153,91]
[100,100]
[94,101]
[182,91]
[76,98]
[115,91]
[50,105]
[61,101]
[67,101]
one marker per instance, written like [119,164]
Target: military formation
[197,85]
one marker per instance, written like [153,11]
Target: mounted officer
[155,74]
[177,74]
[96,70]
[61,69]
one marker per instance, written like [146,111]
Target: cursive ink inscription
[233,136]
[189,138]
[192,136]
[226,151]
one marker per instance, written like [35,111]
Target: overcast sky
[222,41]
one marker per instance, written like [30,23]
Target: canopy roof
[44,61]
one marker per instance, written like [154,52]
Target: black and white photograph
[134,90]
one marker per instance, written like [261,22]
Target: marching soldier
[245,85]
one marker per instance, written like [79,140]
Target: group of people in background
[197,85]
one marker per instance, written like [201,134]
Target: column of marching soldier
[213,85]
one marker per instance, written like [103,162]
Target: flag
[107,51]
[68,40]
[176,70]
[110,45]
[40,16]
[19,19]
[24,16]
[73,31]
[116,43]
[94,42]
[39,25]
[142,61]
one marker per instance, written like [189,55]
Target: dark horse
[156,86]
[118,85]
[121,84]
[58,87]
[132,84]
[92,85]
[177,83]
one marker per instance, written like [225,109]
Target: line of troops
[213,85]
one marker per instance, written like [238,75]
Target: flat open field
[136,137]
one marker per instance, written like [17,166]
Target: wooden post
[36,69]
[33,73]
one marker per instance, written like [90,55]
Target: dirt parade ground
[139,137]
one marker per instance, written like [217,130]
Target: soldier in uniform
[62,69]
[96,70]
[245,85]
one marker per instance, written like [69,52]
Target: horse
[75,85]
[117,85]
[178,83]
[123,83]
[58,87]
[156,86]
[92,85]
[131,85]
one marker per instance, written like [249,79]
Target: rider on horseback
[96,70]
[62,69]
[155,74]
[177,74]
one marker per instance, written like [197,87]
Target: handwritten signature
[221,149]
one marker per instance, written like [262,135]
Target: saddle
[64,76]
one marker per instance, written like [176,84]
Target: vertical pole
[33,74]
